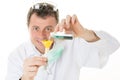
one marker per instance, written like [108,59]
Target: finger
[31,74]
[74,19]
[37,58]
[38,61]
[32,69]
[68,18]
[62,24]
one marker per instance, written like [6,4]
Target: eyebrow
[34,26]
[45,26]
[49,26]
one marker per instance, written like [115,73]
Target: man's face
[40,29]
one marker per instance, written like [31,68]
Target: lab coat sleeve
[15,62]
[95,54]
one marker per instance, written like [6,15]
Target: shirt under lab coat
[77,53]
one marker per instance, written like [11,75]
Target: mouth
[39,42]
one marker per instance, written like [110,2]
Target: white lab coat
[77,53]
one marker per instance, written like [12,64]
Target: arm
[106,46]
[14,68]
[98,45]
[95,54]
[22,68]
[71,25]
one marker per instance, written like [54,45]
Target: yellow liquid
[47,43]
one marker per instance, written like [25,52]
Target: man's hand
[31,65]
[71,25]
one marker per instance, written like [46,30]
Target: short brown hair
[42,10]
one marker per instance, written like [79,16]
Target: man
[88,48]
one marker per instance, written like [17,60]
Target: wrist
[88,35]
[93,36]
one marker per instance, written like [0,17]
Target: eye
[48,29]
[36,28]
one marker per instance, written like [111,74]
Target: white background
[93,14]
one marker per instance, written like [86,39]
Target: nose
[42,35]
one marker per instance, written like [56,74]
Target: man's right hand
[31,65]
